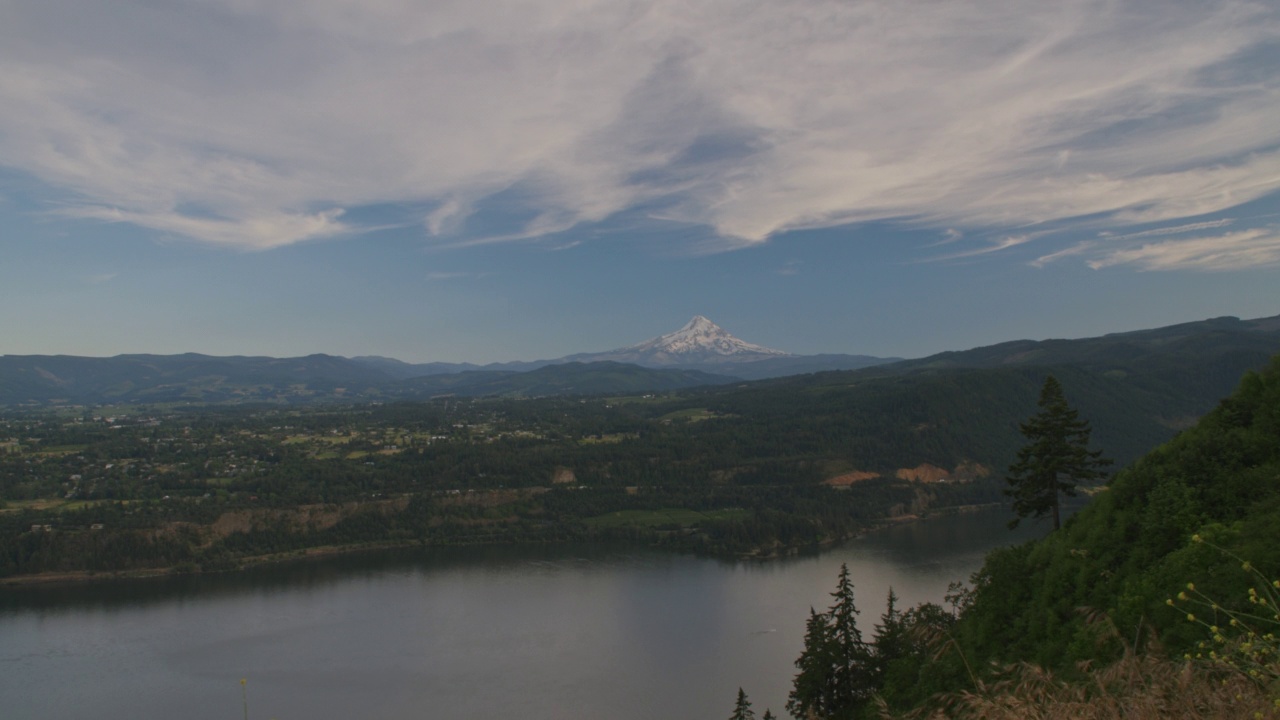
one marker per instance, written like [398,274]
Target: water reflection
[494,632]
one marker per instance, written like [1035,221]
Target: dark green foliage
[574,378]
[1126,553]
[892,640]
[1055,459]
[812,692]
[742,708]
[837,669]
[206,379]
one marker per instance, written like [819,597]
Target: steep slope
[1134,547]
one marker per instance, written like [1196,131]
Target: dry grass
[1137,687]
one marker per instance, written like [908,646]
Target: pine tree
[811,690]
[890,642]
[742,709]
[853,682]
[1056,457]
[837,667]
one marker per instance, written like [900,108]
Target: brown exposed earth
[924,473]
[316,517]
[849,478]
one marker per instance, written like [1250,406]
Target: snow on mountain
[699,341]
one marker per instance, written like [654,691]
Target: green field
[48,504]
[690,415]
[62,449]
[679,517]
[607,439]
[329,439]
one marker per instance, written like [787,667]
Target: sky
[443,180]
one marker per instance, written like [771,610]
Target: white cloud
[791,267]
[247,231]
[995,245]
[449,215]
[1079,248]
[1259,247]
[256,125]
[1175,230]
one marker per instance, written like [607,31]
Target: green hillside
[1128,553]
[574,378]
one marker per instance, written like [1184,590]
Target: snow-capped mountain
[699,345]
[699,342]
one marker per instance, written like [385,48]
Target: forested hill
[1192,511]
[1206,357]
[1137,389]
[205,379]
[1196,362]
[575,378]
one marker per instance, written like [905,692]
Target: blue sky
[528,179]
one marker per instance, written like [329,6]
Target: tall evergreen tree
[890,642]
[854,682]
[837,667]
[742,709]
[811,691]
[1056,457]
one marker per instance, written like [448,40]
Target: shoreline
[84,577]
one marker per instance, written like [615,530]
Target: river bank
[776,552]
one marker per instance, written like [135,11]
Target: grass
[47,504]
[1138,687]
[325,439]
[690,415]
[53,450]
[680,517]
[646,399]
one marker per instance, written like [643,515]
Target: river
[509,632]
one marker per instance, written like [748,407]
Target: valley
[743,469]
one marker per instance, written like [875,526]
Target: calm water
[559,632]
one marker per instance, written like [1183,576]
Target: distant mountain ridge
[1215,335]
[1200,360]
[64,379]
[700,345]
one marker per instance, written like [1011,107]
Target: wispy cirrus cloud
[1259,247]
[256,125]
[791,268]
[1175,230]
[1079,248]
[991,246]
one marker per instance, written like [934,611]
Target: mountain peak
[700,340]
[700,322]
